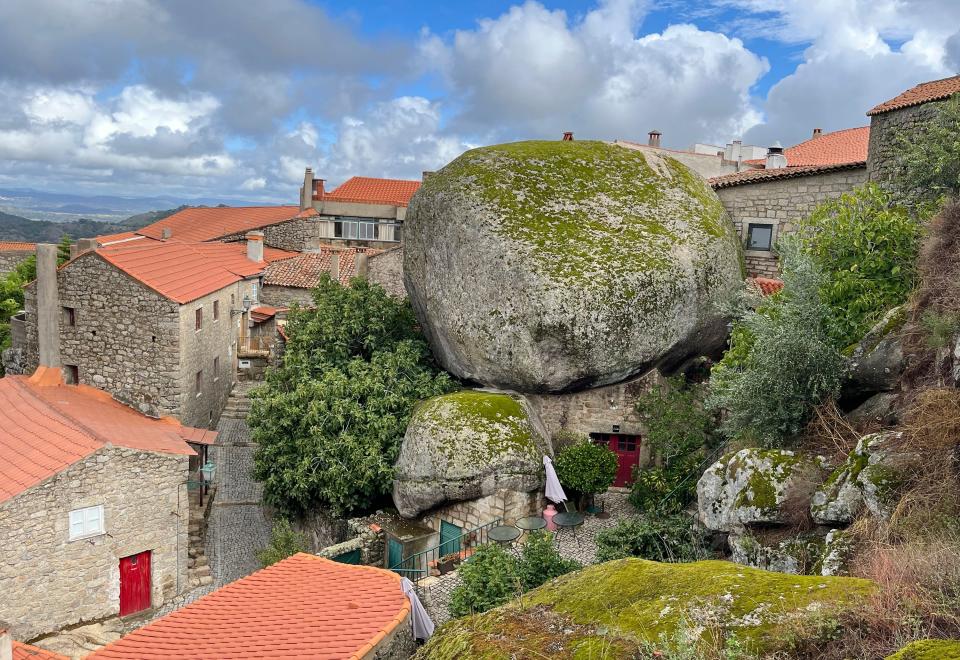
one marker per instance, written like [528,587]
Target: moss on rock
[611,609]
[929,649]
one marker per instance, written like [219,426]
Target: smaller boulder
[882,408]
[837,550]
[757,486]
[877,361]
[797,555]
[467,445]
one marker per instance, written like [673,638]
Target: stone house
[900,116]
[157,324]
[12,253]
[94,506]
[305,606]
[705,159]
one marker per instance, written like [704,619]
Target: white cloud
[258,183]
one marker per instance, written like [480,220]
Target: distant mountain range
[17,228]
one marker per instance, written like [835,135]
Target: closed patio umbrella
[554,491]
[419,619]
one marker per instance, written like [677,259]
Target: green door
[449,538]
[394,553]
[352,557]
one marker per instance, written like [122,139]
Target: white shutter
[86,522]
[76,523]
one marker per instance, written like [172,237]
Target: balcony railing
[417,567]
[255,346]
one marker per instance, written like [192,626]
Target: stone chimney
[335,266]
[362,264]
[817,132]
[6,644]
[86,245]
[48,306]
[306,193]
[568,136]
[775,158]
[255,245]
[165,233]
[653,139]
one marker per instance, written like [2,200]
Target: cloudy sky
[213,97]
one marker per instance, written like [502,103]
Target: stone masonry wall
[126,338]
[10,259]
[48,582]
[506,505]
[782,203]
[296,235]
[386,269]
[884,131]
[285,296]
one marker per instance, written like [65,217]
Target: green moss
[929,649]
[761,491]
[631,601]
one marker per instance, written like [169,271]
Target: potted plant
[586,469]
[448,562]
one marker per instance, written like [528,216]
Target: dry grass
[830,434]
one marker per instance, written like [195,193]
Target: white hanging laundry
[419,619]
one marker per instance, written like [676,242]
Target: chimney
[6,644]
[165,233]
[653,139]
[775,158]
[312,244]
[335,266]
[362,265]
[255,245]
[817,132]
[48,306]
[318,188]
[306,193]
[86,245]
[568,136]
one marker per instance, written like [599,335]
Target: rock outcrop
[466,445]
[558,266]
[877,361]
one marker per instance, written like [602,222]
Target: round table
[531,523]
[504,534]
[568,520]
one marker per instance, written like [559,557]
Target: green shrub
[791,365]
[285,542]
[865,247]
[488,578]
[540,561]
[586,468]
[930,157]
[670,538]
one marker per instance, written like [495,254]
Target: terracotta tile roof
[186,271]
[303,271]
[837,148]
[757,176]
[15,246]
[107,239]
[767,285]
[374,191]
[301,607]
[46,428]
[935,90]
[261,313]
[208,224]
[26,652]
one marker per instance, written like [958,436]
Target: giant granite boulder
[557,266]
[466,445]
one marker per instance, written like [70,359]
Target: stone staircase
[198,570]
[238,405]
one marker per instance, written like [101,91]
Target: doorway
[135,583]
[627,449]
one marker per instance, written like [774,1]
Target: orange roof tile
[837,148]
[208,224]
[46,428]
[16,246]
[760,175]
[301,607]
[107,239]
[934,90]
[186,271]
[374,191]
[303,271]
[23,651]
[767,285]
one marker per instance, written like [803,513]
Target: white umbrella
[419,619]
[554,490]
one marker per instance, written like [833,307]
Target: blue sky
[191,99]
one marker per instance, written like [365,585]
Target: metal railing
[255,346]
[416,567]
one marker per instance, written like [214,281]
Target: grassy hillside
[16,228]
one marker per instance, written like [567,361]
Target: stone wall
[295,235]
[506,505]
[398,644]
[286,296]
[386,269]
[782,203]
[48,582]
[885,128]
[369,540]
[10,259]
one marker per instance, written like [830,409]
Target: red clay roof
[767,285]
[374,191]
[301,607]
[107,239]
[935,90]
[46,428]
[15,246]
[23,651]
[837,148]
[186,271]
[208,224]
[303,271]
[758,176]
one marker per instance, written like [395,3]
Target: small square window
[626,444]
[759,237]
[71,373]
[86,522]
[69,317]
[198,318]
[216,310]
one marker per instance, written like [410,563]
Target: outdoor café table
[505,535]
[568,520]
[531,523]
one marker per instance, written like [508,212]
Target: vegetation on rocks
[656,536]
[930,158]
[929,649]
[285,542]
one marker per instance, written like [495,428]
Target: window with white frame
[760,236]
[86,522]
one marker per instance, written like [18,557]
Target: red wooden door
[134,583]
[627,449]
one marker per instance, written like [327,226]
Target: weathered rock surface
[466,445]
[882,408]
[557,266]
[838,547]
[877,361]
[756,486]
[797,555]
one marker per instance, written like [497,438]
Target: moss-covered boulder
[610,610]
[800,554]
[929,649]
[556,266]
[757,486]
[466,445]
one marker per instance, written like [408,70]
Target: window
[86,522]
[253,292]
[199,318]
[626,443]
[759,237]
[69,316]
[71,373]
[216,368]
[233,299]
[356,228]
[199,382]
[216,310]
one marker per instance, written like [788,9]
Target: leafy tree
[540,561]
[586,468]
[660,538]
[285,542]
[866,247]
[330,419]
[791,364]
[488,579]
[930,157]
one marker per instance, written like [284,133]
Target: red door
[134,583]
[627,449]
